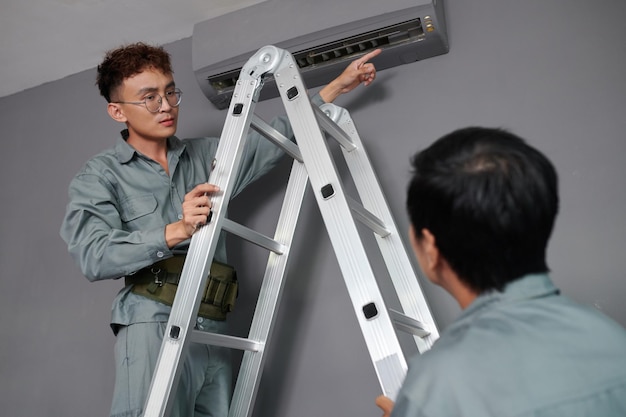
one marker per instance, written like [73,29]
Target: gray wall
[551,71]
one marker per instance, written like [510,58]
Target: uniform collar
[524,288]
[125,152]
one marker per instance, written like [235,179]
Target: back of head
[129,60]
[490,200]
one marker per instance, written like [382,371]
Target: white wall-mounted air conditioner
[322,35]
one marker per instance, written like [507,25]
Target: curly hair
[126,61]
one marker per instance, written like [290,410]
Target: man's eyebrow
[144,90]
[155,89]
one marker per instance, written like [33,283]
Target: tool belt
[160,281]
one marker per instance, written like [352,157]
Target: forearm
[116,253]
[331,91]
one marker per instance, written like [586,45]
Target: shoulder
[103,169]
[447,363]
[438,382]
[98,164]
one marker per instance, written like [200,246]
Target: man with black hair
[482,205]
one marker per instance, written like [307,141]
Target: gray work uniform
[119,205]
[525,352]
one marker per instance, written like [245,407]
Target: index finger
[206,188]
[367,57]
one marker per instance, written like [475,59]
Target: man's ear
[425,246]
[437,268]
[429,244]
[116,112]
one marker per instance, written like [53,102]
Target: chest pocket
[137,206]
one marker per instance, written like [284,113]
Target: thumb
[385,404]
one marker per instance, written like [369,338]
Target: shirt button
[200,320]
[180,217]
[160,254]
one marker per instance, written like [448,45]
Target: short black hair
[490,200]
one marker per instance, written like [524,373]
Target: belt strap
[159,282]
[165,271]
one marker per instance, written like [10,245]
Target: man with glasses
[132,209]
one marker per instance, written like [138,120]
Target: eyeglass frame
[177,92]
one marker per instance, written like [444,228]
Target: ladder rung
[276,137]
[253,236]
[367,218]
[408,324]
[224,340]
[333,129]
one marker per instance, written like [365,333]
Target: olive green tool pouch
[160,281]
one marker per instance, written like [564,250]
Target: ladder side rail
[401,269]
[368,303]
[200,254]
[401,321]
[270,294]
[265,61]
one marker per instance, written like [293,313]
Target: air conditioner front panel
[405,35]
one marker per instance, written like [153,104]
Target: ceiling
[46,40]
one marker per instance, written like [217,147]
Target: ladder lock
[238,109]
[175,332]
[370,311]
[292,93]
[327,191]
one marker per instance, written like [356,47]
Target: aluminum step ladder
[313,163]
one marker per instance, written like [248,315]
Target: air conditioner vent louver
[408,32]
[357,45]
[342,50]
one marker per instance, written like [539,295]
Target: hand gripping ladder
[312,162]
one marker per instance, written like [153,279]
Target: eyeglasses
[153,101]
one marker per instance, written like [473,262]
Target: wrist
[175,233]
[330,92]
